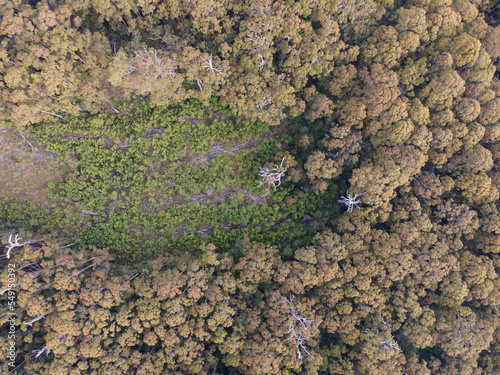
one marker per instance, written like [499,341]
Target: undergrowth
[164,180]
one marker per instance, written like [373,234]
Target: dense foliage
[157,131]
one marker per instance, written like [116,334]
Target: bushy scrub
[162,180]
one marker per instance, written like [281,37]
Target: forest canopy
[244,187]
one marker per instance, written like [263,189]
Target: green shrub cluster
[160,179]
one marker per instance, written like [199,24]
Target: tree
[428,187]
[464,49]
[48,65]
[378,180]
[298,330]
[467,109]
[453,290]
[411,19]
[358,19]
[396,101]
[419,331]
[479,274]
[442,21]
[490,43]
[380,89]
[475,160]
[395,134]
[482,71]
[464,334]
[257,266]
[418,113]
[413,74]
[318,166]
[476,188]
[382,47]
[490,112]
[456,218]
[352,113]
[444,86]
[319,105]
[343,77]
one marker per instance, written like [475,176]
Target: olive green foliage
[379,251]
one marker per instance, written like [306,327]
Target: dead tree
[151,58]
[130,70]
[315,61]
[272,176]
[298,323]
[208,64]
[16,243]
[39,317]
[384,342]
[351,201]
[256,36]
[262,62]
[262,105]
[42,350]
